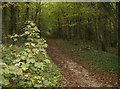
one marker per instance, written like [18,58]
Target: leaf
[38,36]
[27,50]
[39,65]
[32,24]
[15,39]
[46,82]
[15,61]
[45,45]
[16,35]
[32,44]
[47,61]
[23,57]
[27,32]
[37,85]
[35,50]
[27,44]
[24,69]
[4,81]
[25,65]
[30,61]
[15,70]
[28,26]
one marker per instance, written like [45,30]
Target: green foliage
[99,60]
[29,66]
[91,21]
[103,61]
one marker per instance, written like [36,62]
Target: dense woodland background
[88,22]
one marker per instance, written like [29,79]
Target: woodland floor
[77,74]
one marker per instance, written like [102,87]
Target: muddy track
[75,74]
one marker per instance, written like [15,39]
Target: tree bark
[27,10]
[12,19]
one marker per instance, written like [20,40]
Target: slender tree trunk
[5,28]
[39,18]
[96,32]
[118,15]
[27,10]
[12,20]
[59,27]
[66,27]
[36,12]
[96,27]
[79,21]
[104,36]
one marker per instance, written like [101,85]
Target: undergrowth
[100,60]
[28,65]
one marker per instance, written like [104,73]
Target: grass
[102,61]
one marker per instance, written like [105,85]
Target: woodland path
[75,74]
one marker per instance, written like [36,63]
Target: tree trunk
[5,30]
[59,28]
[96,27]
[104,41]
[12,20]
[36,13]
[96,32]
[27,10]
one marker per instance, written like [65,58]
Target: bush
[29,66]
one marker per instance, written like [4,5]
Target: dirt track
[75,74]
